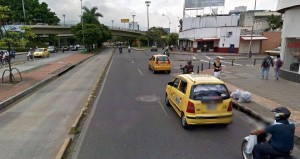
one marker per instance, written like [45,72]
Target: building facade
[211,33]
[290,45]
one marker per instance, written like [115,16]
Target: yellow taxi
[41,52]
[160,63]
[199,99]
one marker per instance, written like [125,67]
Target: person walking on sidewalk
[265,66]
[217,66]
[277,65]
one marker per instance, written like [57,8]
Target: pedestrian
[277,65]
[217,66]
[265,66]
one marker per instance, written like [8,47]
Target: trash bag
[245,97]
[236,94]
[252,141]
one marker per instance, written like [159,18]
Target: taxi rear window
[209,92]
[162,58]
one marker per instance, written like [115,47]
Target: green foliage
[154,35]
[35,12]
[94,32]
[172,39]
[13,38]
[90,16]
[275,22]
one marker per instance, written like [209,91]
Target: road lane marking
[220,57]
[231,63]
[208,57]
[140,72]
[204,61]
[132,61]
[163,108]
[194,57]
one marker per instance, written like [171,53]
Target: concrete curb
[251,113]
[22,94]
[135,49]
[63,148]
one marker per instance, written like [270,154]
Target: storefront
[290,45]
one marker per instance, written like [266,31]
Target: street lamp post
[148,4]
[64,18]
[82,25]
[253,20]
[112,23]
[169,21]
[133,22]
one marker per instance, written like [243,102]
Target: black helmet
[189,62]
[281,113]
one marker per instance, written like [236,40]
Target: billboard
[203,3]
[124,20]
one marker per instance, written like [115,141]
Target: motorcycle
[167,53]
[184,70]
[120,50]
[30,57]
[250,141]
[129,50]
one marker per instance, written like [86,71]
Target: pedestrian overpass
[65,31]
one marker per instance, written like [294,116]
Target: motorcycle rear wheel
[243,150]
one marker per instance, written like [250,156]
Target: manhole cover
[147,98]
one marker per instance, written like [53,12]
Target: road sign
[124,20]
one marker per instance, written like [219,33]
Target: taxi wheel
[167,100]
[169,72]
[153,70]
[184,124]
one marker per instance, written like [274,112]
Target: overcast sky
[118,9]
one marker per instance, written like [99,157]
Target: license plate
[211,107]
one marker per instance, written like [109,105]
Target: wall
[227,40]
[244,46]
[274,41]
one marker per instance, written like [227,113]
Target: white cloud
[118,9]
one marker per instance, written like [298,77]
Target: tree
[91,16]
[172,39]
[35,12]
[11,37]
[153,35]
[275,22]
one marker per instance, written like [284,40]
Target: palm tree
[90,16]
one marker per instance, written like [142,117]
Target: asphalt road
[130,121]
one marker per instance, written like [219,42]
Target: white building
[211,33]
[290,46]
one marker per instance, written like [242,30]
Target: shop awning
[253,38]
[207,39]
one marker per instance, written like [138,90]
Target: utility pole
[133,22]
[24,11]
[148,4]
[253,20]
[112,24]
[82,25]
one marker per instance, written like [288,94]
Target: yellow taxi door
[173,89]
[180,95]
[151,62]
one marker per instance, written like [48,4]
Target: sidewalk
[266,94]
[33,75]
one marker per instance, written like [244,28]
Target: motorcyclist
[282,140]
[30,55]
[120,49]
[189,68]
[129,48]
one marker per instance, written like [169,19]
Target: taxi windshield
[39,50]
[209,92]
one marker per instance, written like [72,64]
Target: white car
[274,52]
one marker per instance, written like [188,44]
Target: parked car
[154,48]
[199,99]
[160,63]
[41,52]
[65,48]
[274,52]
[52,49]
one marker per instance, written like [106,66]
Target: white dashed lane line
[140,72]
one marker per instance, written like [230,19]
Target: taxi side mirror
[171,84]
